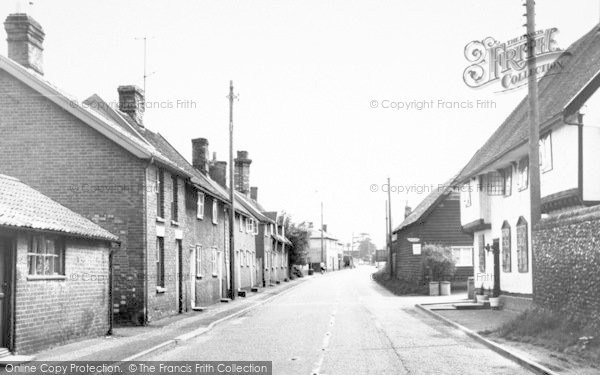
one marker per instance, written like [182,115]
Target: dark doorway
[180,276]
[496,251]
[5,291]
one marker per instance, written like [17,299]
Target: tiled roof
[581,63]
[427,204]
[252,206]
[26,208]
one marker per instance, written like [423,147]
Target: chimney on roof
[25,39]
[241,176]
[325,228]
[131,101]
[218,172]
[200,155]
[407,211]
[254,193]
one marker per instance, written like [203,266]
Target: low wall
[566,272]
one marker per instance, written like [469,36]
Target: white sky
[306,72]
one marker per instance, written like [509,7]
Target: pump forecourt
[143,367]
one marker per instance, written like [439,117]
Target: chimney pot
[25,39]
[254,193]
[131,101]
[200,155]
[407,211]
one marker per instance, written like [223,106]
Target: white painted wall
[565,161]
[591,162]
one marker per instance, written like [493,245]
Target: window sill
[214,275]
[200,217]
[160,290]
[174,223]
[160,219]
[199,277]
[48,277]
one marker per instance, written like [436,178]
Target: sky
[316,81]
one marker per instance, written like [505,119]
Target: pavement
[344,323]
[481,324]
[128,343]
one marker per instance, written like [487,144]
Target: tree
[366,248]
[299,237]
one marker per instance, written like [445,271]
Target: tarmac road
[344,323]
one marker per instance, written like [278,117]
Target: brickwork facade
[56,310]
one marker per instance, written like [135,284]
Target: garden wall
[566,255]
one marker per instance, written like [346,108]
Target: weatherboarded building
[436,220]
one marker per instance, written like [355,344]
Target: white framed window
[198,260]
[546,153]
[214,260]
[266,230]
[463,256]
[200,206]
[46,255]
[248,258]
[523,170]
[241,223]
[255,228]
[249,225]
[215,212]
[467,193]
[507,177]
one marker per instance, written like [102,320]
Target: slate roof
[23,207]
[581,64]
[427,205]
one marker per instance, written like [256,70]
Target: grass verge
[398,287]
[555,331]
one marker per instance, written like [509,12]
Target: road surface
[344,323]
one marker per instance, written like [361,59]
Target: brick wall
[166,302]
[55,153]
[52,312]
[204,233]
[566,260]
[245,242]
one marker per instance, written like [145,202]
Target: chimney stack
[407,211]
[200,155]
[218,172]
[131,101]
[324,228]
[25,38]
[254,193]
[241,176]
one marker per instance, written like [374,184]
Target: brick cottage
[54,272]
[105,164]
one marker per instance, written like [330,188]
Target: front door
[5,268]
[220,275]
[496,251]
[179,276]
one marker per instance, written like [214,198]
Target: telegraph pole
[322,229]
[388,247]
[389,222]
[534,118]
[231,98]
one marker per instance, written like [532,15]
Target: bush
[438,263]
[398,287]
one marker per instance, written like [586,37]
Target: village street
[344,323]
